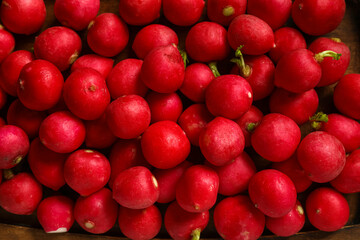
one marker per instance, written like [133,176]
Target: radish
[224,11]
[183,12]
[7,43]
[139,13]
[164,106]
[3,97]
[248,122]
[101,64]
[98,133]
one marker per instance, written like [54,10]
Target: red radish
[221,141]
[293,170]
[141,12]
[287,39]
[229,96]
[318,17]
[163,69]
[206,42]
[152,36]
[237,218]
[55,214]
[347,95]
[183,225]
[331,70]
[197,78]
[165,145]
[272,192]
[3,97]
[20,194]
[14,146]
[164,106]
[322,156]
[96,213]
[86,171]
[224,11]
[40,85]
[136,188]
[62,132]
[124,79]
[183,12]
[76,14]
[7,43]
[101,64]
[234,177]
[128,116]
[46,165]
[10,70]
[140,224]
[193,120]
[327,209]
[273,12]
[58,45]
[297,106]
[98,133]
[26,119]
[107,35]
[248,122]
[249,31]
[197,189]
[289,224]
[276,138]
[23,16]
[167,180]
[348,180]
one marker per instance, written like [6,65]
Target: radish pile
[211,129]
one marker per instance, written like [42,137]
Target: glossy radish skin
[40,85]
[107,35]
[224,11]
[276,138]
[322,156]
[237,218]
[7,43]
[55,214]
[164,106]
[206,42]
[98,133]
[10,70]
[62,132]
[86,171]
[76,14]
[23,16]
[248,122]
[21,194]
[152,36]
[136,188]
[318,17]
[139,13]
[183,12]
[327,209]
[124,79]
[165,144]
[140,224]
[14,146]
[182,225]
[272,192]
[101,64]
[96,213]
[254,34]
[221,141]
[289,224]
[46,165]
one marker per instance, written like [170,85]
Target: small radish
[183,225]
[98,133]
[183,12]
[237,218]
[322,156]
[14,146]
[140,12]
[55,214]
[3,97]
[224,11]
[207,42]
[107,35]
[101,64]
[164,106]
[136,188]
[326,209]
[140,224]
[152,36]
[7,43]
[96,213]
[318,17]
[248,122]
[272,192]
[124,79]
[165,145]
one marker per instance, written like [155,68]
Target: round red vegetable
[164,106]
[224,11]
[139,12]
[7,43]
[101,64]
[248,122]
[183,12]
[98,133]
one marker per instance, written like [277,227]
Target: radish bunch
[162,126]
